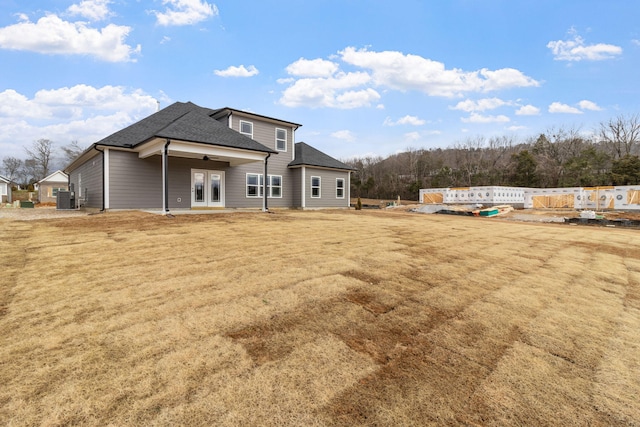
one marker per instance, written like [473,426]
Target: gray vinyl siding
[137,183]
[236,184]
[134,183]
[91,192]
[328,197]
[264,133]
[296,175]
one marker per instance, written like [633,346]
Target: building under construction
[623,198]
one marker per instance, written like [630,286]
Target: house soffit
[192,150]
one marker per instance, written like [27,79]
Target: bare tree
[40,154]
[621,135]
[71,151]
[12,166]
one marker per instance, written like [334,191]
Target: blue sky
[362,77]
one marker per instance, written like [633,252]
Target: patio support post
[165,176]
[265,207]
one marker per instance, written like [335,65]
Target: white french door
[207,188]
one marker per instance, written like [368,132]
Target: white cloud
[528,110]
[345,135]
[558,107]
[479,118]
[406,120]
[589,105]
[52,35]
[95,10]
[81,112]
[185,12]
[636,42]
[165,39]
[576,50]
[517,128]
[480,105]
[240,71]
[412,72]
[322,83]
[328,92]
[356,98]
[312,68]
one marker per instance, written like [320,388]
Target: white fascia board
[151,148]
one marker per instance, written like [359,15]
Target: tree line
[559,157]
[42,159]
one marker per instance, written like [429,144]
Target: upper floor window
[246,128]
[339,188]
[281,139]
[315,186]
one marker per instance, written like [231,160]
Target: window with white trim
[315,187]
[274,185]
[255,185]
[281,139]
[54,191]
[246,128]
[339,188]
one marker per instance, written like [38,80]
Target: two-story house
[189,157]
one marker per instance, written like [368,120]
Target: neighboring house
[189,157]
[48,187]
[5,190]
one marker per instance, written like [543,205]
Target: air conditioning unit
[64,200]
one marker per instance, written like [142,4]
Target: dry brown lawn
[317,318]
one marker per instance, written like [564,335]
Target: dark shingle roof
[186,122]
[306,155]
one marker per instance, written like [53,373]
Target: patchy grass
[317,318]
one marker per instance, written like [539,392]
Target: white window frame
[340,188]
[270,186]
[284,140]
[260,186]
[250,135]
[319,187]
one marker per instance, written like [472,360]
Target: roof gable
[57,176]
[198,126]
[306,155]
[226,111]
[4,179]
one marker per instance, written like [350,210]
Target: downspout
[103,176]
[165,172]
[265,208]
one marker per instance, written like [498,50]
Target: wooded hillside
[556,158]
